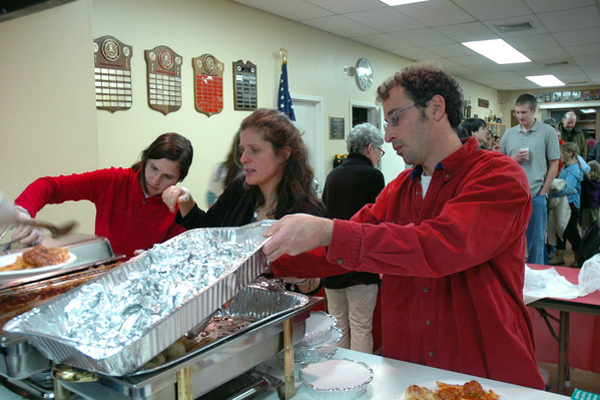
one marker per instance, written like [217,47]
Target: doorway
[309,117]
[391,165]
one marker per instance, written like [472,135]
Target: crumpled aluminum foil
[115,324]
[110,317]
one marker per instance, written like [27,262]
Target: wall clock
[364,74]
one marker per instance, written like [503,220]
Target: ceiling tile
[346,6]
[436,13]
[341,26]
[450,50]
[532,42]
[487,10]
[384,41]
[416,53]
[423,37]
[385,20]
[544,54]
[589,60]
[571,19]
[581,36]
[583,50]
[540,6]
[564,31]
[296,10]
[467,32]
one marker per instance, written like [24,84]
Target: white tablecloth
[392,377]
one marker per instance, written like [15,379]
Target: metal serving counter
[18,358]
[210,369]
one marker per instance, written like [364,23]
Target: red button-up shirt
[452,265]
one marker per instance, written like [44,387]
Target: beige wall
[47,110]
[58,126]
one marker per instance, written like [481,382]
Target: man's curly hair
[422,82]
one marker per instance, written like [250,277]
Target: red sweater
[452,265]
[123,214]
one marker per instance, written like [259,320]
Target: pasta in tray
[469,391]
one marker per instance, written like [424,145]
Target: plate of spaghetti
[37,260]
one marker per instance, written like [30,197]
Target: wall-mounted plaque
[112,73]
[208,78]
[164,79]
[483,103]
[244,86]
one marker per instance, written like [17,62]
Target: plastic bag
[547,283]
[589,276]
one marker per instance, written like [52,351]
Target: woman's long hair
[296,185]
[171,146]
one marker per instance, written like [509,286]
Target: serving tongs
[55,231]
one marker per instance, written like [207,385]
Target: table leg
[563,352]
[184,384]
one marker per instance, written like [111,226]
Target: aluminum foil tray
[318,328]
[163,293]
[258,302]
[339,379]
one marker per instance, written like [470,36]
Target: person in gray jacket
[351,297]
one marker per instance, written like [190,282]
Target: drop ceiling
[561,37]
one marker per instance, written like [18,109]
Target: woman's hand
[178,197]
[26,234]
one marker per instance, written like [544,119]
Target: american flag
[284,102]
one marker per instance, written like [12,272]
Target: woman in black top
[277,179]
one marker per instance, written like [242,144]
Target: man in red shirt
[448,237]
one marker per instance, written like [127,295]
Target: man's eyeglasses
[395,117]
[381,152]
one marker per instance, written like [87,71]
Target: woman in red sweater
[129,207]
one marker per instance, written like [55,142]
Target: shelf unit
[496,128]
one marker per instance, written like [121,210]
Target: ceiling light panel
[498,51]
[545,80]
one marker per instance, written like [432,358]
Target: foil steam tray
[337,379]
[116,323]
[318,328]
[257,302]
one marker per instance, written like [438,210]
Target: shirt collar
[533,128]
[453,161]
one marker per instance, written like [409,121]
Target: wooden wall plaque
[244,86]
[208,88]
[112,74]
[164,79]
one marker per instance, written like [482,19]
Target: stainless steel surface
[37,323]
[254,302]
[211,368]
[18,358]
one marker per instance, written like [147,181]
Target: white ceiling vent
[520,26]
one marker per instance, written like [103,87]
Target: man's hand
[296,234]
[521,155]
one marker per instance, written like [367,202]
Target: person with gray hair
[569,132]
[351,297]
